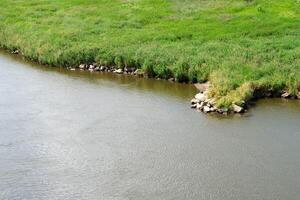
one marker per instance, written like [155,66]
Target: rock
[97,69]
[102,68]
[118,71]
[72,69]
[92,67]
[286,95]
[82,66]
[213,109]
[237,109]
[298,95]
[195,101]
[200,105]
[15,52]
[200,97]
[206,109]
[202,86]
[171,79]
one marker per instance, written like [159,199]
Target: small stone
[92,67]
[118,71]
[237,109]
[206,109]
[15,52]
[213,109]
[286,95]
[200,97]
[102,68]
[200,105]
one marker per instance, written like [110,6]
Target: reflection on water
[80,135]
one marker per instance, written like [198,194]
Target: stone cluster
[114,69]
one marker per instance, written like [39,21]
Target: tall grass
[238,45]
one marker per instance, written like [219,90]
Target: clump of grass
[233,44]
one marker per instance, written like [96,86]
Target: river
[96,136]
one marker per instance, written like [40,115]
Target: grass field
[240,46]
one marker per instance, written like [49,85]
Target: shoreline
[202,101]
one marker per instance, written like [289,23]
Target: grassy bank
[240,46]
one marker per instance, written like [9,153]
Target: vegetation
[241,46]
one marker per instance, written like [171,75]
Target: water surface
[80,135]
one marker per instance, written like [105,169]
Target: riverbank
[246,49]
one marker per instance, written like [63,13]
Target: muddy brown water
[80,135]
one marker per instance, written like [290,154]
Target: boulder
[171,79]
[200,96]
[237,109]
[97,69]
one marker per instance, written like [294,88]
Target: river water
[80,135]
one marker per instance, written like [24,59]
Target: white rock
[200,105]
[237,109]
[82,66]
[118,71]
[200,97]
[91,67]
[206,109]
[286,95]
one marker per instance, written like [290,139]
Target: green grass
[239,46]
